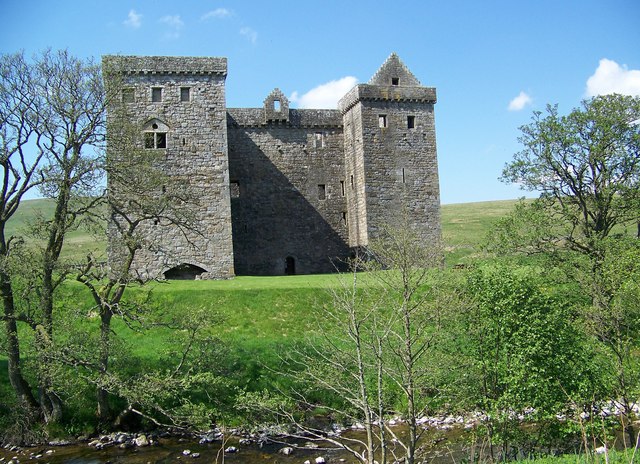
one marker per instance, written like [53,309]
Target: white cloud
[325,95]
[519,102]
[610,77]
[174,24]
[134,20]
[250,34]
[218,13]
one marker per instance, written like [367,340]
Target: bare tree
[20,174]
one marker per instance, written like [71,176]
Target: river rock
[245,441]
[195,455]
[186,452]
[320,460]
[287,450]
[231,449]
[141,440]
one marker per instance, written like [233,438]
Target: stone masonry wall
[289,200]
[196,159]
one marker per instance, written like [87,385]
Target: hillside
[463,227]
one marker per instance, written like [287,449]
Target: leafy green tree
[586,165]
[525,354]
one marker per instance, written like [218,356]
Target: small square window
[322,191]
[156,94]
[155,140]
[395,81]
[128,95]
[234,189]
[411,122]
[382,120]
[185,94]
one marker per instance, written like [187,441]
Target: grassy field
[463,228]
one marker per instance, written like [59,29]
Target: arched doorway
[290,265]
[184,271]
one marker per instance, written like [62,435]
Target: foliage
[586,166]
[526,356]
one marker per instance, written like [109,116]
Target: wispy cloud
[218,13]
[610,77]
[325,95]
[250,34]
[520,102]
[174,26]
[134,20]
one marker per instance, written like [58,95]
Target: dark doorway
[184,272]
[290,266]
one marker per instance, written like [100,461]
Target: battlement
[165,65]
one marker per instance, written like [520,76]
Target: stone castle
[280,190]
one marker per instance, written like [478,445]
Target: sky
[493,63]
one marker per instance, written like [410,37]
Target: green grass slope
[463,227]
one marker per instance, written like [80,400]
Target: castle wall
[288,200]
[400,167]
[195,159]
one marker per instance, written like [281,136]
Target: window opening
[342,187]
[184,271]
[411,122]
[322,191]
[382,120]
[290,266]
[156,94]
[128,95]
[154,140]
[395,80]
[343,215]
[185,94]
[351,181]
[276,105]
[234,189]
[403,176]
[319,140]
[164,189]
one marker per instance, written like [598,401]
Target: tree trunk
[18,382]
[102,395]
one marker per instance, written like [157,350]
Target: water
[439,446]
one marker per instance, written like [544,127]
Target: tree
[375,353]
[586,165]
[20,174]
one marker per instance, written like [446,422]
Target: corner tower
[178,106]
[390,154]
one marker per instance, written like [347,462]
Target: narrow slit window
[185,94]
[352,182]
[411,122]
[382,120]
[156,94]
[322,191]
[343,216]
[342,187]
[234,189]
[404,179]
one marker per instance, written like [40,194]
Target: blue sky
[493,62]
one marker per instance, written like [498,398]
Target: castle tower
[390,154]
[178,104]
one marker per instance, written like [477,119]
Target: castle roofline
[165,65]
[367,92]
